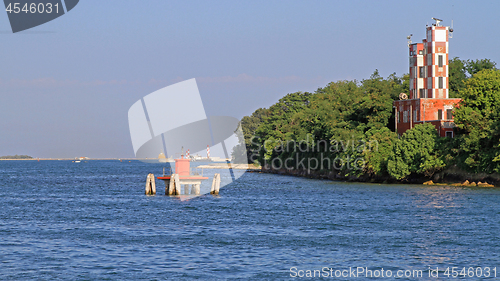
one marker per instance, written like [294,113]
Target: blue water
[92,221]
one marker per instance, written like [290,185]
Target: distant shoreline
[232,166]
[73,159]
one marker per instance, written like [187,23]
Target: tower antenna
[437,21]
[451,28]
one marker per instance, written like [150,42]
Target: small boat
[163,159]
[198,158]
[166,160]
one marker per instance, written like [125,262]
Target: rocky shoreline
[449,177]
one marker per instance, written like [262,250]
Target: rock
[478,183]
[485,184]
[466,182]
[429,182]
[472,184]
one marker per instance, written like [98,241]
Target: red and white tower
[428,99]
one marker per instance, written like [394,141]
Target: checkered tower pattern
[429,85]
[436,61]
[417,71]
[187,154]
[429,65]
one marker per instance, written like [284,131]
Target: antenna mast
[450,34]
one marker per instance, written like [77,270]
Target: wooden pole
[215,185]
[172,185]
[150,185]
[168,185]
[153,184]
[177,184]
[212,189]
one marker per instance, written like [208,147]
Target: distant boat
[197,158]
[166,160]
[163,159]
[78,161]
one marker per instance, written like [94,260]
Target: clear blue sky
[66,86]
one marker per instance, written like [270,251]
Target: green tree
[416,152]
[457,76]
[249,125]
[380,144]
[16,157]
[475,66]
[478,122]
[278,123]
[461,70]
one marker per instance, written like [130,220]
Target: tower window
[422,95]
[440,60]
[440,114]
[440,82]
[449,115]
[421,70]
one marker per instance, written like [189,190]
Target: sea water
[91,220]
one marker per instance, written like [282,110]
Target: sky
[66,86]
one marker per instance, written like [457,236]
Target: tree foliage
[415,152]
[353,122]
[461,70]
[350,116]
[478,122]
[16,157]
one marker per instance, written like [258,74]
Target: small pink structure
[184,177]
[182,166]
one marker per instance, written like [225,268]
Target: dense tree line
[348,127]
[16,157]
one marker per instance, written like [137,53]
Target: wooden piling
[153,184]
[171,186]
[215,185]
[177,184]
[150,185]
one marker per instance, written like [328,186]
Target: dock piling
[150,184]
[177,184]
[215,185]
[169,186]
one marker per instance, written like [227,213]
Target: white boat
[166,160]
